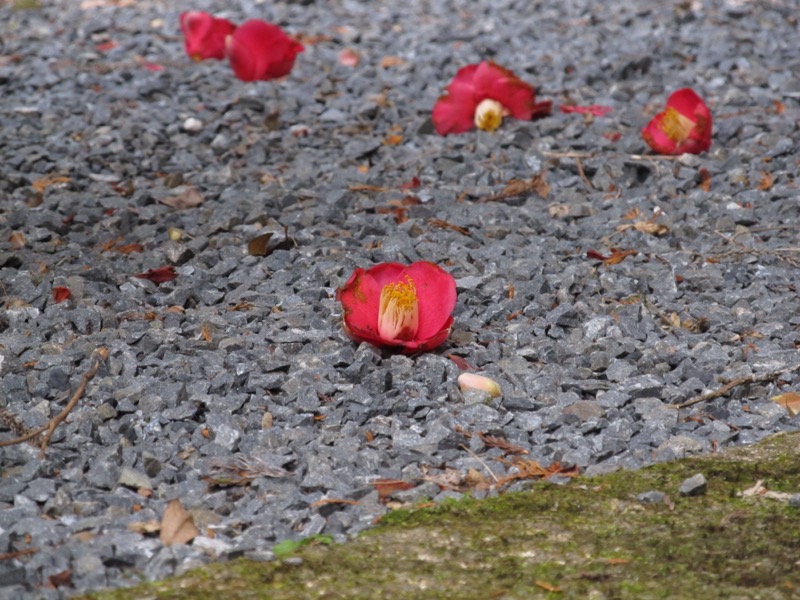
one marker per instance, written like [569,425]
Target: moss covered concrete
[590,539]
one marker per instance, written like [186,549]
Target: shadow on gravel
[624,535]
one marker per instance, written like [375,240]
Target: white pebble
[192,125]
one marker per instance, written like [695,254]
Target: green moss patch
[589,539]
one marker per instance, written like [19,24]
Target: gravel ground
[239,365]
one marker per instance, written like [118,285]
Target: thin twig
[583,174]
[763,378]
[18,553]
[98,357]
[480,460]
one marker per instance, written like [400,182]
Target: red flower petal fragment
[400,306]
[61,293]
[481,95]
[258,50]
[683,127]
[598,110]
[204,35]
[159,275]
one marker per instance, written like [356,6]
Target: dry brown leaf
[144,527]
[188,198]
[206,332]
[504,445]
[40,185]
[177,525]
[387,487]
[259,244]
[649,226]
[392,61]
[632,214]
[766,181]
[327,501]
[446,225]
[558,211]
[364,187]
[17,240]
[617,256]
[704,179]
[790,401]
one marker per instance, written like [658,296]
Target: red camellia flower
[684,126]
[481,95]
[397,305]
[204,35]
[261,50]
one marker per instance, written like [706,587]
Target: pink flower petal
[453,114]
[204,35]
[436,294]
[498,83]
[258,50]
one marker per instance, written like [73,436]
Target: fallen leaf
[259,244]
[144,527]
[188,198]
[105,46]
[17,240]
[177,525]
[558,211]
[62,579]
[649,226]
[446,225]
[498,442]
[411,184]
[616,256]
[790,401]
[129,248]
[349,57]
[766,181]
[45,182]
[613,136]
[460,362]
[387,487]
[392,61]
[393,139]
[206,332]
[159,275]
[596,110]
[704,179]
[327,501]
[522,187]
[61,293]
[364,187]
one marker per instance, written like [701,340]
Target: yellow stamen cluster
[489,115]
[398,315]
[676,126]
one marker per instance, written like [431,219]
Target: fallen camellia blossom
[258,50]
[683,127]
[481,95]
[204,35]
[397,305]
